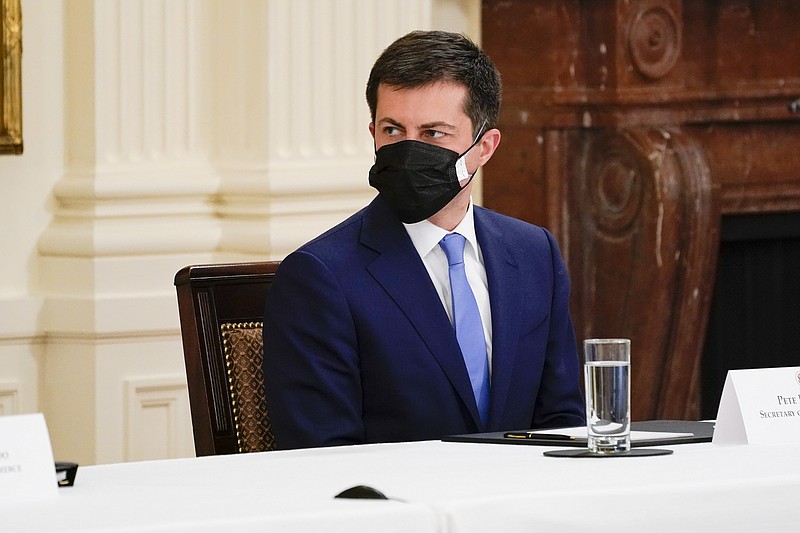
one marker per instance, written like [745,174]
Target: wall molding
[10,394]
[157,418]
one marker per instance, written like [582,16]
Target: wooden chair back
[221,310]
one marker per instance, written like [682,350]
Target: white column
[293,139]
[135,204]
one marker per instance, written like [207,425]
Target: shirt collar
[426,236]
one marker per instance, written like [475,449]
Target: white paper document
[759,406]
[27,469]
[581,432]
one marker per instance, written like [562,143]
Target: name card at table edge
[26,459]
[759,406]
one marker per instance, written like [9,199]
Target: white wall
[26,208]
[160,133]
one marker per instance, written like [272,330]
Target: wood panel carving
[654,40]
[644,220]
[630,127]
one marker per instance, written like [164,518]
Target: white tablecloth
[435,486]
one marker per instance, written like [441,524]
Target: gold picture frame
[11,78]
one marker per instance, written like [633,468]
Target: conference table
[432,486]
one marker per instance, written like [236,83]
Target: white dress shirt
[426,237]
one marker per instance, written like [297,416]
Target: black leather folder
[699,432]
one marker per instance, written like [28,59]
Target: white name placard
[759,406]
[27,470]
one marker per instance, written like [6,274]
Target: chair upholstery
[221,314]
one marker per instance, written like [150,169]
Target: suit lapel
[400,271]
[502,274]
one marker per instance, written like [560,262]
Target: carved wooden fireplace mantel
[630,127]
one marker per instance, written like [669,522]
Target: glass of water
[608,394]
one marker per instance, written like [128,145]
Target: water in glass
[608,406]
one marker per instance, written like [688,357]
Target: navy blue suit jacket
[358,347]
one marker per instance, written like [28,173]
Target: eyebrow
[439,124]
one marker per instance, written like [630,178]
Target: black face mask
[418,179]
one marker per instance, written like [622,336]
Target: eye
[433,134]
[391,131]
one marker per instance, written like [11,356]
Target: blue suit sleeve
[311,367]
[561,400]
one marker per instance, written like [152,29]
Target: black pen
[537,435]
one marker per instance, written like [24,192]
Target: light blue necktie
[467,323]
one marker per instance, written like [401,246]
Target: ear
[487,145]
[372,130]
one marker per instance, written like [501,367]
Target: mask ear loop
[461,165]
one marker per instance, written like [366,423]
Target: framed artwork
[11,78]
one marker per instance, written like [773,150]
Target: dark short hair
[422,58]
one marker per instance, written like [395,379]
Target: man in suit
[361,341]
